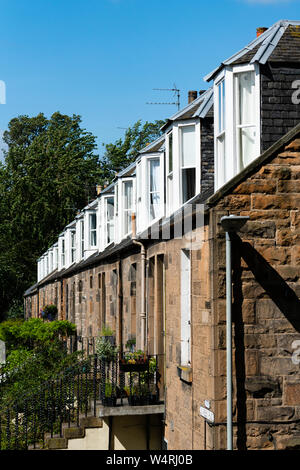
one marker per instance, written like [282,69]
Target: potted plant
[108,334]
[131,343]
[105,350]
[134,362]
[110,398]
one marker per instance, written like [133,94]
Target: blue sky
[101,59]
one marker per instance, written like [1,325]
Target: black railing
[94,381]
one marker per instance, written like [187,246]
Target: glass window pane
[247,143]
[170,152]
[246,93]
[127,195]
[188,147]
[188,183]
[221,111]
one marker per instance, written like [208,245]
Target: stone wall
[266,305]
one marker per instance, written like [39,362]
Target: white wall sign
[207,414]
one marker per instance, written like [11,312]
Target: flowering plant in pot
[134,361]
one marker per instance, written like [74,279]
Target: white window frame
[121,209]
[185,300]
[63,251]
[105,220]
[169,174]
[143,198]
[73,246]
[92,231]
[51,261]
[220,134]
[197,166]
[154,219]
[256,123]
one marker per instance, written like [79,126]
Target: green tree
[50,171]
[120,154]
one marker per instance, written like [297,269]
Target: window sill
[185,373]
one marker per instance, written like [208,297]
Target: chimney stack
[98,189]
[261,30]
[192,96]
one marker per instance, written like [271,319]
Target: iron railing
[78,391]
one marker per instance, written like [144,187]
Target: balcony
[91,389]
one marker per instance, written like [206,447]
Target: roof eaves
[205,105]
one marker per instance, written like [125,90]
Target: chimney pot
[260,30]
[192,96]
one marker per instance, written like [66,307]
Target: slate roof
[279,43]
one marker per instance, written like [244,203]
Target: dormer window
[237,117]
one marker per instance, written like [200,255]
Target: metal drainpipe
[143,290]
[229,341]
[230,224]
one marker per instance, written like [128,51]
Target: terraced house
[147,258]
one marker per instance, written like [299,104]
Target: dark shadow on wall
[277,290]
[237,318]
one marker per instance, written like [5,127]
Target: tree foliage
[50,171]
[120,154]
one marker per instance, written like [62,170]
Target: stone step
[56,442]
[71,432]
[91,422]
